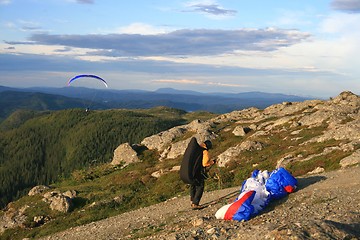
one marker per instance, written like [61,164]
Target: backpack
[191,166]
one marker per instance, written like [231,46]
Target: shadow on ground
[352,229]
[307,181]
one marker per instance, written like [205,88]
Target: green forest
[43,147]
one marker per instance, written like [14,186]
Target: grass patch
[329,162]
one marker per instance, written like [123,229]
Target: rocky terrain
[340,117]
[325,205]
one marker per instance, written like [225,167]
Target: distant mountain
[176,91]
[182,99]
[11,101]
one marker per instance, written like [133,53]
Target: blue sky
[297,47]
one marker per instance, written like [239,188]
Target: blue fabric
[255,173]
[278,185]
[278,180]
[245,211]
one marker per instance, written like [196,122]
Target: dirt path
[325,206]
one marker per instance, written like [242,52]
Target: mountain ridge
[183,99]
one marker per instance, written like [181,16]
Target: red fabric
[233,208]
[289,189]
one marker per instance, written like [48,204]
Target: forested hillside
[12,100]
[39,148]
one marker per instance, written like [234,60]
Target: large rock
[38,190]
[241,131]
[233,152]
[175,150]
[347,98]
[164,141]
[315,119]
[13,218]
[246,115]
[124,154]
[59,201]
[348,131]
[280,110]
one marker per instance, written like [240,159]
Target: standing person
[192,170]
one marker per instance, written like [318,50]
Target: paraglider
[88,76]
[86,94]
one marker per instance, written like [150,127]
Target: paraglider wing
[89,76]
[256,192]
[239,210]
[280,183]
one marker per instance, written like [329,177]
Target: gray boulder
[241,131]
[124,154]
[58,201]
[233,152]
[38,190]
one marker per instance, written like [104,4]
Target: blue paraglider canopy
[256,193]
[88,76]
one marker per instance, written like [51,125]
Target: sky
[300,47]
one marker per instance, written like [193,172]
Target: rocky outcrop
[124,154]
[241,131]
[231,153]
[165,143]
[38,190]
[13,218]
[161,140]
[339,116]
[351,160]
[60,201]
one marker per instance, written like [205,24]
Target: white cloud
[141,28]
[341,23]
[220,84]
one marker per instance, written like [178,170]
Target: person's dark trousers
[196,191]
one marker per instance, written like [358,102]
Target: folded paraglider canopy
[256,193]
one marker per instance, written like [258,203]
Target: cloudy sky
[300,47]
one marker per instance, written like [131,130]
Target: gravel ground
[325,206]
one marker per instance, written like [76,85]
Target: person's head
[208,144]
